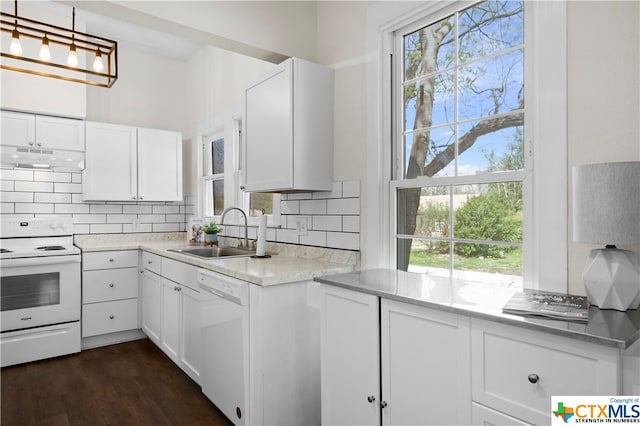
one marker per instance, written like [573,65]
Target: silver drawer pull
[111,317]
[111,285]
[371,398]
[533,378]
[149,262]
[111,260]
[383,404]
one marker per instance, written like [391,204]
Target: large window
[459,135]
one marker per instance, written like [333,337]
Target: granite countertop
[606,327]
[288,263]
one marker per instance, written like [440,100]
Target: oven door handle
[39,261]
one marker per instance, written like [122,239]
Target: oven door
[39,291]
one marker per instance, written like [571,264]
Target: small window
[213,174]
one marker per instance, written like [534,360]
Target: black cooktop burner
[5,251]
[50,248]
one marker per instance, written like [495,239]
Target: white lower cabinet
[425,366]
[109,292]
[516,371]
[170,310]
[481,415]
[350,361]
[391,363]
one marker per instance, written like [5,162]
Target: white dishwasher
[224,315]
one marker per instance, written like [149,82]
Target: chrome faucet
[246,231]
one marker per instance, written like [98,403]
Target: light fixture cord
[73,25]
[16,7]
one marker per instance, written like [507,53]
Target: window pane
[488,212]
[260,203]
[492,86]
[432,218]
[218,197]
[432,155]
[425,256]
[429,102]
[481,148]
[491,264]
[489,27]
[429,49]
[217,156]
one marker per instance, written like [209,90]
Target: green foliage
[211,228]
[487,217]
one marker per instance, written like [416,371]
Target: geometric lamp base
[612,279]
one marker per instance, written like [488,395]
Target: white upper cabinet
[288,129]
[125,163]
[159,165]
[41,131]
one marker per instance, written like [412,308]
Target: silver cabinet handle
[177,288]
[39,144]
[111,285]
[371,398]
[149,262]
[31,143]
[383,404]
[111,260]
[111,317]
[533,378]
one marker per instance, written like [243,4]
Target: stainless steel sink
[212,252]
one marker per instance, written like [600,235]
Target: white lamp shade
[606,203]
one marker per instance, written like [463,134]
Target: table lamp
[606,210]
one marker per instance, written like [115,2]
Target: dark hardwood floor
[130,383]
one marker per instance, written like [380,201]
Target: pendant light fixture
[89,59]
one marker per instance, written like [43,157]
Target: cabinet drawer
[481,415]
[152,262]
[109,284]
[505,358]
[110,259]
[181,273]
[109,317]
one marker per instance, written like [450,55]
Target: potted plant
[210,232]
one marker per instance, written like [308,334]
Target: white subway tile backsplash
[290,207]
[51,197]
[351,223]
[299,196]
[6,185]
[151,218]
[343,240]
[313,207]
[105,228]
[76,177]
[7,208]
[351,188]
[314,238]
[33,208]
[343,206]
[121,218]
[73,188]
[7,174]
[139,209]
[89,218]
[169,209]
[17,197]
[143,227]
[327,223]
[72,208]
[30,186]
[165,227]
[106,208]
[79,228]
[45,176]
[175,218]
[287,236]
[336,192]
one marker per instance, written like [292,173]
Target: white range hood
[42,159]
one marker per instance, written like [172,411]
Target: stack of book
[565,307]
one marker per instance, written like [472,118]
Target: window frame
[545,223]
[227,125]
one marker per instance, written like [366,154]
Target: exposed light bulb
[98,66]
[72,60]
[45,53]
[15,48]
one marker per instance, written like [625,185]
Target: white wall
[604,95]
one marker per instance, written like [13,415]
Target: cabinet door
[151,306]
[425,366]
[170,335]
[110,171]
[350,368]
[269,131]
[60,133]
[18,129]
[159,165]
[191,337]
